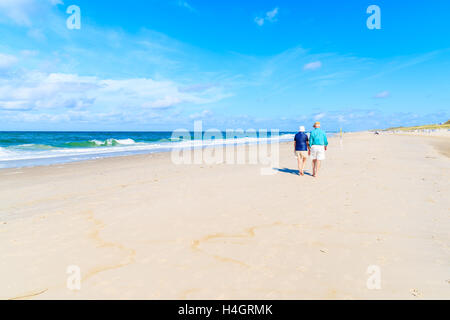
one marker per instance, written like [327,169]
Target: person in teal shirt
[318,145]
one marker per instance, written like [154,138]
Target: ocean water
[25,149]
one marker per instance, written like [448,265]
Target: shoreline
[440,142]
[87,154]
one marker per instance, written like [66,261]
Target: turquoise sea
[24,149]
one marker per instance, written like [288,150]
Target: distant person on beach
[301,147]
[318,145]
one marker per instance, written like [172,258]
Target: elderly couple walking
[314,146]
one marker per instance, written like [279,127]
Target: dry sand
[141,227]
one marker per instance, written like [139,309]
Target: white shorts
[318,152]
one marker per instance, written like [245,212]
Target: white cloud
[201,115]
[21,12]
[259,21]
[13,105]
[7,61]
[163,103]
[59,92]
[270,16]
[313,65]
[184,4]
[319,116]
[17,10]
[36,34]
[197,87]
[382,95]
[29,53]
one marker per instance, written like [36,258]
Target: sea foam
[32,155]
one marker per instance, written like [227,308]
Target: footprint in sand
[415,292]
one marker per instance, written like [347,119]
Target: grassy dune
[424,127]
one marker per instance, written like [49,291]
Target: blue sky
[160,65]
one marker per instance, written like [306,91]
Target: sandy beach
[141,227]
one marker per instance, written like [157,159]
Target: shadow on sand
[291,171]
